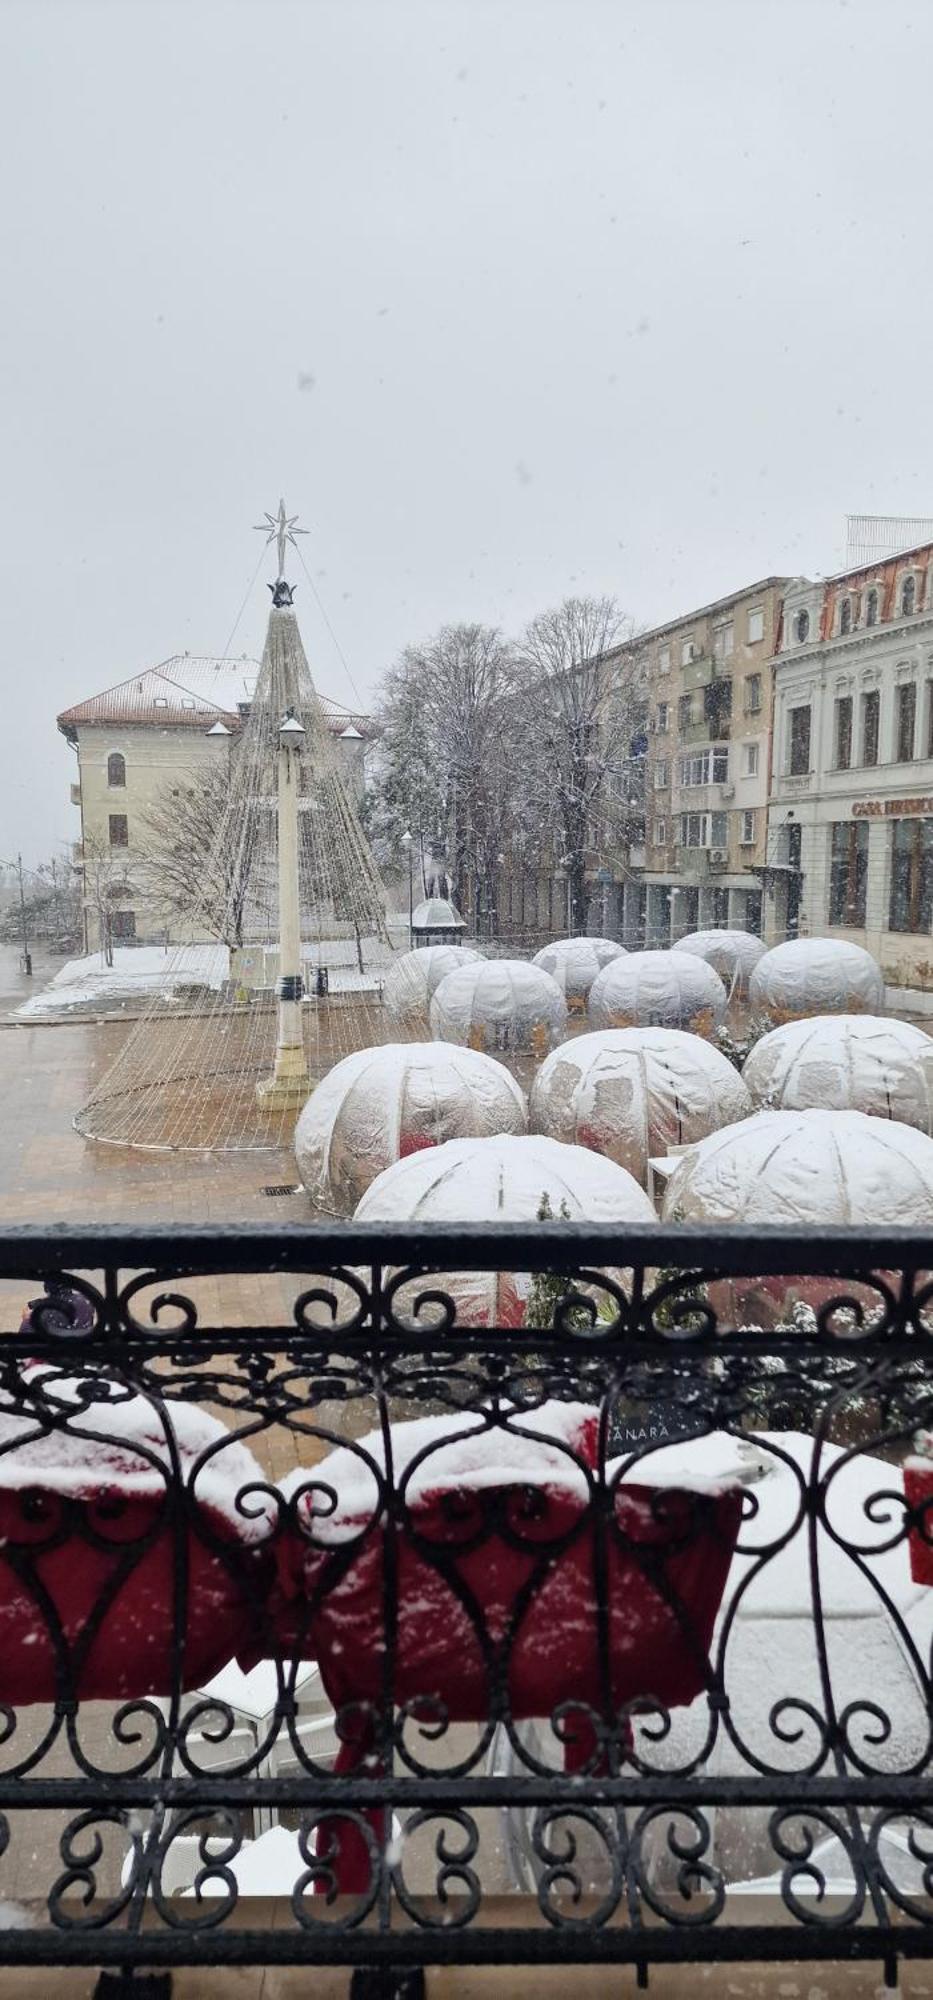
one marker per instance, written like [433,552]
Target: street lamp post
[408,845]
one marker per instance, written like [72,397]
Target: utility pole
[27,955]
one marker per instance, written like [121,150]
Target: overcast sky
[509,300]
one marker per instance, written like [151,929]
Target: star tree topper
[280,528]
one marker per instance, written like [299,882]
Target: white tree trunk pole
[289,1035]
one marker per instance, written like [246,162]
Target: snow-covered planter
[815,976]
[733,954]
[382,1104]
[494,1554]
[411,985]
[633,1093]
[846,1062]
[500,1004]
[803,1168]
[574,963]
[500,1179]
[658,989]
[94,1526]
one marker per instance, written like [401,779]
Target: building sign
[890,808]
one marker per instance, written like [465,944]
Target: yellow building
[141,743]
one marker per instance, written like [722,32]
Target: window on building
[719,829]
[160,701]
[663,717]
[123,924]
[724,639]
[800,741]
[688,652]
[871,608]
[748,834]
[685,711]
[802,627]
[693,829]
[842,733]
[753,694]
[845,615]
[908,596]
[756,625]
[930,718]
[660,833]
[871,725]
[720,764]
[116,768]
[749,760]
[717,705]
[906,711]
[664,660]
[119,830]
[912,877]
[187,701]
[848,873]
[704,767]
[661,774]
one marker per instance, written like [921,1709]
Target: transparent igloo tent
[634,1093]
[412,981]
[733,954]
[657,989]
[382,1104]
[500,1004]
[574,963]
[846,1062]
[816,976]
[500,1179]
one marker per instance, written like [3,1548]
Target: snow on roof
[187,691]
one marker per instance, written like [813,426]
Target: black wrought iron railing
[597,1633]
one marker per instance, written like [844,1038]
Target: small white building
[850,817]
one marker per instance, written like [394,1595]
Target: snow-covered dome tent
[631,1093]
[803,1167]
[575,962]
[846,1062]
[500,1179]
[414,978]
[382,1104]
[816,976]
[733,954]
[436,921]
[498,1004]
[657,989]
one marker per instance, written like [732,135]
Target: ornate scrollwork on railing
[624,1612]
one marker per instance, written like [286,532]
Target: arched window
[908,596]
[845,615]
[871,608]
[802,627]
[116,768]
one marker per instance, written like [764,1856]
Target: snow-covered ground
[145,968]
[139,971]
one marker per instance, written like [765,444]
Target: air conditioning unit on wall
[718,857]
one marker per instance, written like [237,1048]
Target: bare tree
[107,881]
[577,670]
[187,868]
[446,764]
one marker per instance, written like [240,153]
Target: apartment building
[706,788]
[850,840]
[137,745]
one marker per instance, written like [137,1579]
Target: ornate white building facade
[850,819]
